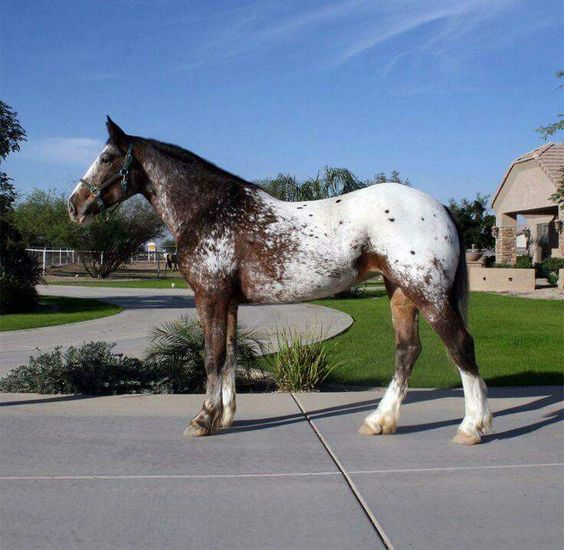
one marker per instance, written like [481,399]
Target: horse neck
[179,194]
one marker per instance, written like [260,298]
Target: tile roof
[550,157]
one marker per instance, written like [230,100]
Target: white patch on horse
[216,256]
[228,397]
[91,170]
[477,416]
[385,418]
[392,220]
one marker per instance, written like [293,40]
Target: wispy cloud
[63,150]
[409,22]
[341,31]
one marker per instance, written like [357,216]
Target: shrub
[176,352]
[300,364]
[549,268]
[19,274]
[552,278]
[175,364]
[354,291]
[92,369]
[524,262]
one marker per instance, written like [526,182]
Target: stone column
[505,245]
[560,217]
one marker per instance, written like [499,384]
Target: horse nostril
[72,209]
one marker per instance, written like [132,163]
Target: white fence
[60,257]
[57,257]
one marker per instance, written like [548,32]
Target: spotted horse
[238,244]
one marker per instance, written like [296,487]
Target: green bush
[552,278]
[300,364]
[92,369]
[354,291]
[176,352]
[19,272]
[174,364]
[549,268]
[524,262]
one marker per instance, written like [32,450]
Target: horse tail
[459,291]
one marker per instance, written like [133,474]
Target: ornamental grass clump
[301,363]
[177,351]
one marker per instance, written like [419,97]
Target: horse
[237,244]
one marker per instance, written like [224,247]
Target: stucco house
[525,191]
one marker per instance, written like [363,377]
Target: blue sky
[447,92]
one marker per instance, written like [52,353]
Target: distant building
[525,191]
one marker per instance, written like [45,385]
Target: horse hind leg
[408,347]
[450,326]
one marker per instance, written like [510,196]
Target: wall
[527,187]
[501,279]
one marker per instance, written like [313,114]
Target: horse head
[112,178]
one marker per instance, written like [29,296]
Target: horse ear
[117,135]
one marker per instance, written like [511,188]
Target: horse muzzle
[81,209]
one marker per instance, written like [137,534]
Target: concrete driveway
[115,472]
[144,309]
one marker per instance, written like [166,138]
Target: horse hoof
[195,429]
[463,438]
[384,427]
[366,429]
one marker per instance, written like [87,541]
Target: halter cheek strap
[123,174]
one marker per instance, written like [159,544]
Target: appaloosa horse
[238,244]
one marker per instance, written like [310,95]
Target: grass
[518,342]
[56,310]
[301,363]
[139,283]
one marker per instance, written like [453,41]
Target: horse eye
[105,159]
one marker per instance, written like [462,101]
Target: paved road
[147,308]
[115,472]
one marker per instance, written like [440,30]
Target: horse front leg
[228,394]
[213,316]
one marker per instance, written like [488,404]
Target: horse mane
[187,157]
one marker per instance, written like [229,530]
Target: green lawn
[518,342]
[139,283]
[56,310]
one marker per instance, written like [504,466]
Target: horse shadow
[547,396]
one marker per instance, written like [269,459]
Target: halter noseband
[123,174]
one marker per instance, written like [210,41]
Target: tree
[394,177]
[108,242]
[103,245]
[551,129]
[42,219]
[329,182]
[547,131]
[475,220]
[284,187]
[19,272]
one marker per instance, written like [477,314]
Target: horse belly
[296,281]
